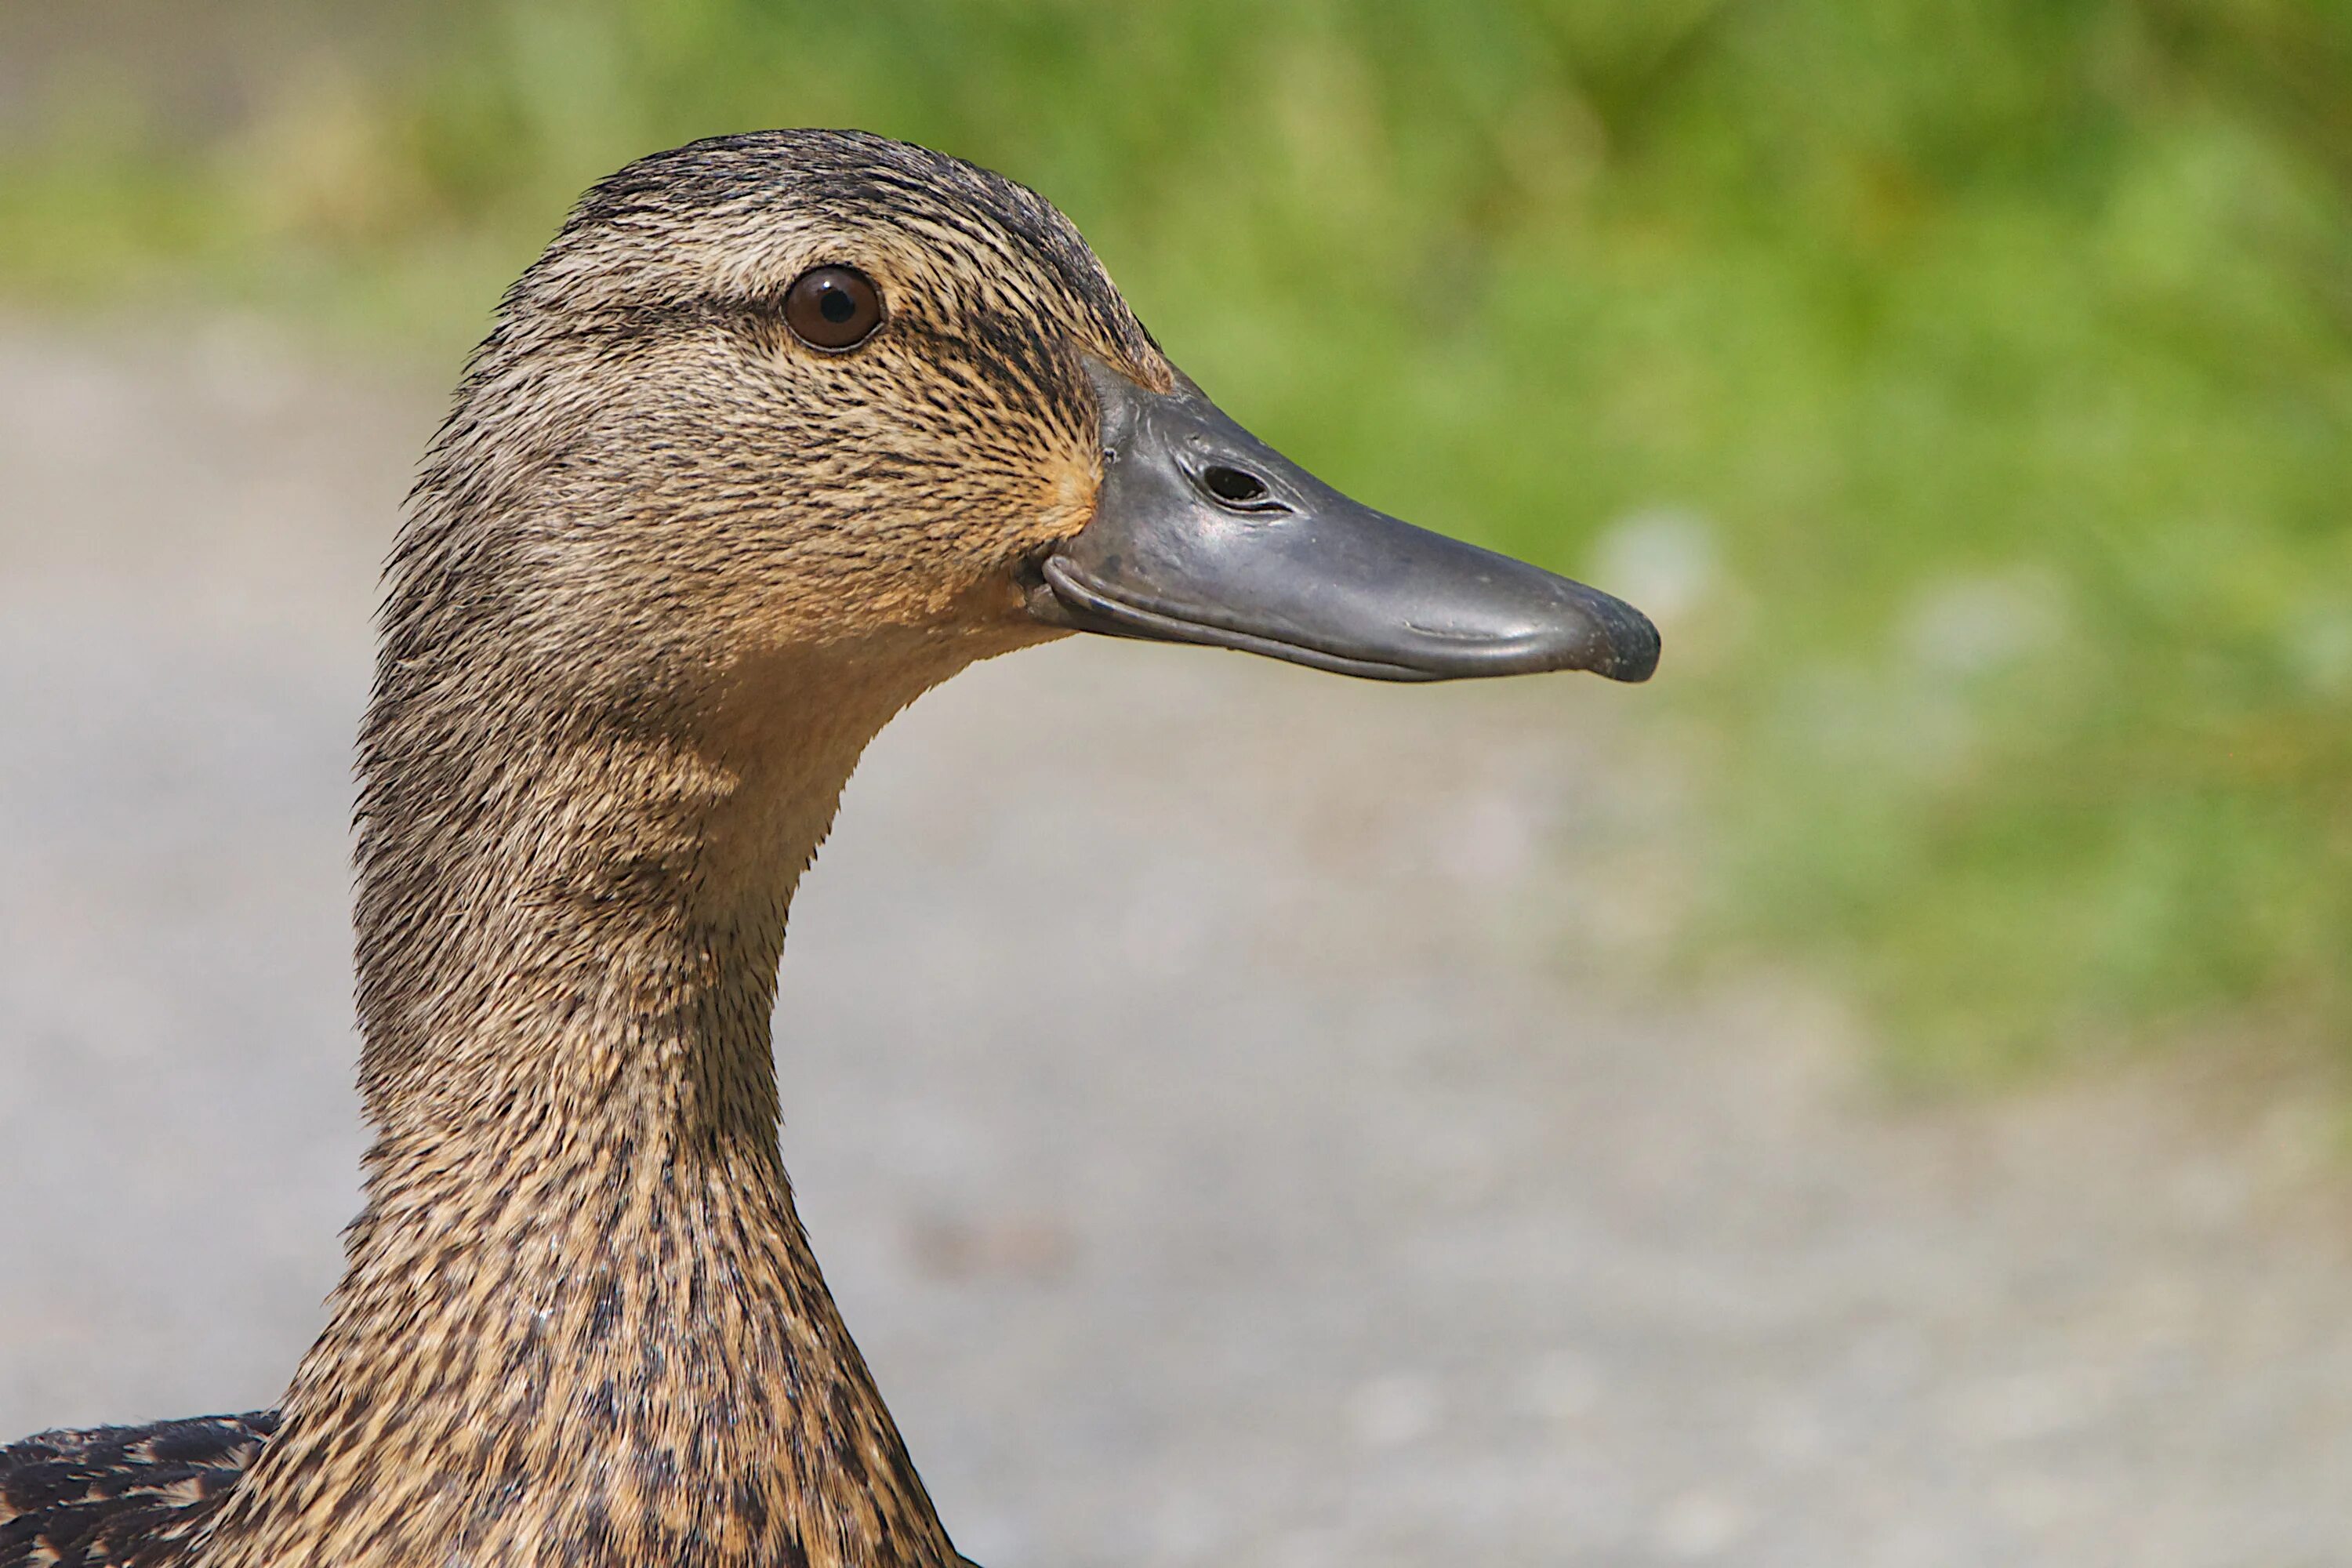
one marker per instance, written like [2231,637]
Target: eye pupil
[833,307]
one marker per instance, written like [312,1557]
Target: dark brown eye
[833,307]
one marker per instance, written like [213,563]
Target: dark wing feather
[122,1497]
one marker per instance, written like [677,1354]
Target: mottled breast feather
[122,1497]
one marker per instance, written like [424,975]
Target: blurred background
[1872,1095]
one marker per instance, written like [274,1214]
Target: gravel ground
[1228,1099]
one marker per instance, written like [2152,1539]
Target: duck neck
[580,1321]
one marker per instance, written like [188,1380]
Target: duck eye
[833,307]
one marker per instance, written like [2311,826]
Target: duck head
[809,390]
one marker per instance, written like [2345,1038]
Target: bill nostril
[1233,485]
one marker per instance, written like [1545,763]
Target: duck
[779,431]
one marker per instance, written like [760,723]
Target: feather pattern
[122,1497]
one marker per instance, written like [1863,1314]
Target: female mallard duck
[781,431]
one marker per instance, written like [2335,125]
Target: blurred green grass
[1967,386]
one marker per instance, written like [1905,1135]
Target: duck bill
[1203,533]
